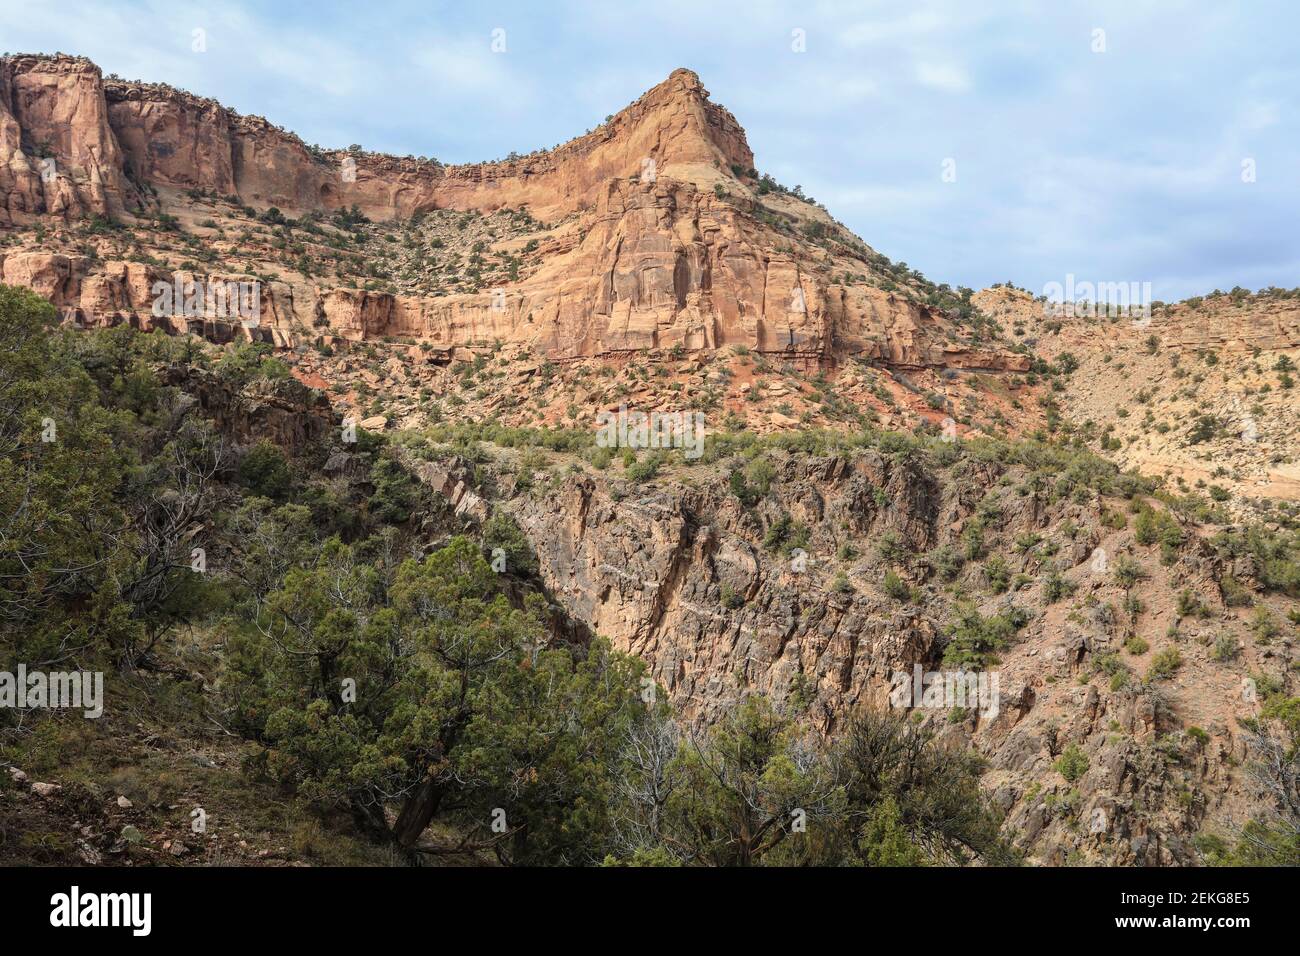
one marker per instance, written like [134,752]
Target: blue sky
[1121,165]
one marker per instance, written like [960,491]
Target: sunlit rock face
[664,244]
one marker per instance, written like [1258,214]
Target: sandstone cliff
[660,236]
[59,155]
[174,138]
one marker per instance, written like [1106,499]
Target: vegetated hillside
[1201,392]
[653,235]
[366,589]
[646,675]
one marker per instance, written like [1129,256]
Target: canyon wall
[669,248]
[105,134]
[58,153]
[173,138]
[681,576]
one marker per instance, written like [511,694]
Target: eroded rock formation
[668,243]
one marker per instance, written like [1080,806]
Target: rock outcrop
[689,580]
[284,412]
[173,138]
[59,155]
[669,244]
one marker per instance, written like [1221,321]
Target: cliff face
[1217,322]
[665,240]
[100,131]
[173,138]
[58,152]
[685,577]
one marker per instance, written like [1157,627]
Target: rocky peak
[687,127]
[649,232]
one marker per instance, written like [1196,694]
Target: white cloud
[945,77]
[1115,165]
[460,65]
[1256,116]
[918,23]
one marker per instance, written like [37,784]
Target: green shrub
[759,475]
[1264,625]
[1127,572]
[895,587]
[643,470]
[974,639]
[1276,555]
[1225,648]
[1234,593]
[1108,663]
[945,561]
[396,491]
[1072,764]
[265,470]
[1056,587]
[502,531]
[892,548]
[1164,664]
[740,488]
[997,573]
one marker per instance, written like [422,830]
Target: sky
[979,141]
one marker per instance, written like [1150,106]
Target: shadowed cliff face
[660,236]
[699,586]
